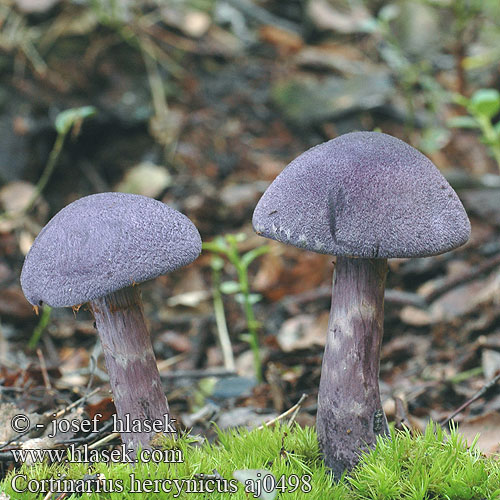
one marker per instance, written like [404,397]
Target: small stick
[476,396]
[397,297]
[46,417]
[293,409]
[104,440]
[220,320]
[400,416]
[90,437]
[167,363]
[463,278]
[294,416]
[210,372]
[43,368]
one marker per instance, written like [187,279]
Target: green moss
[434,465]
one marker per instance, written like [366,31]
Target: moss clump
[434,465]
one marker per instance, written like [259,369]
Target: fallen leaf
[243,417]
[146,178]
[303,331]
[490,361]
[488,428]
[13,304]
[35,6]
[326,17]
[414,316]
[105,407]
[309,100]
[287,42]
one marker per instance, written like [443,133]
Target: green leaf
[433,139]
[461,99]
[485,102]
[253,298]
[234,239]
[217,263]
[462,122]
[230,287]
[246,337]
[217,245]
[66,119]
[251,255]
[389,12]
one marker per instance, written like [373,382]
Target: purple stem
[130,361]
[350,414]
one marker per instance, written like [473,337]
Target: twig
[104,440]
[402,298]
[294,409]
[392,296]
[90,437]
[65,410]
[476,396]
[167,363]
[210,372]
[463,278]
[262,16]
[43,368]
[401,417]
[48,495]
[46,418]
[294,415]
[220,320]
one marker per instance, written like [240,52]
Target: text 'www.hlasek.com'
[133,481]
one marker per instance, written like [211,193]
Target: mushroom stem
[350,414]
[131,364]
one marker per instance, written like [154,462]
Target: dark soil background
[200,104]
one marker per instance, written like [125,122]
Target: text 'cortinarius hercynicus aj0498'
[96,250]
[364,197]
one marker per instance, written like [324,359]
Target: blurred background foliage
[202,103]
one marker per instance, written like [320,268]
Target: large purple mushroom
[95,250]
[364,197]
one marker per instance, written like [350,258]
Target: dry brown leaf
[326,17]
[105,407]
[303,331]
[284,40]
[488,428]
[14,305]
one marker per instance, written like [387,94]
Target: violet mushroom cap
[105,242]
[96,250]
[364,197]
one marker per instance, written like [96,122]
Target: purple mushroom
[364,197]
[96,250]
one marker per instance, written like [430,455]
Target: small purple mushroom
[364,197]
[96,250]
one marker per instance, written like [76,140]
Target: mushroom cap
[363,194]
[102,243]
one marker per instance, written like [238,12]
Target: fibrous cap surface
[102,243]
[363,194]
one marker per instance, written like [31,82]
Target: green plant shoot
[40,327]
[65,121]
[227,247]
[482,107]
